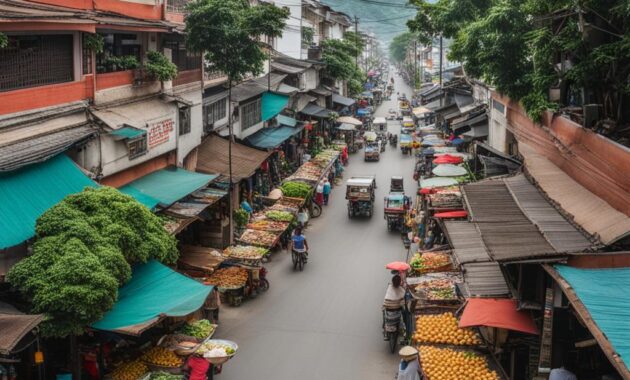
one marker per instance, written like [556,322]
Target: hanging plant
[159,67]
[94,42]
[4,41]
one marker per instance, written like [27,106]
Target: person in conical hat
[409,367]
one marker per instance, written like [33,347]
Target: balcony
[214,77]
[176,10]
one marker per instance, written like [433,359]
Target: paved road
[324,323]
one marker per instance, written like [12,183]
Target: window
[30,61]
[137,147]
[251,114]
[184,121]
[214,112]
[121,51]
[498,106]
[183,59]
[87,57]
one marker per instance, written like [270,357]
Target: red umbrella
[451,214]
[399,266]
[426,191]
[448,159]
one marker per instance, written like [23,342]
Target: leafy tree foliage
[399,45]
[228,32]
[339,57]
[159,67]
[515,45]
[82,255]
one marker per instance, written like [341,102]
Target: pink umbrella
[448,159]
[399,266]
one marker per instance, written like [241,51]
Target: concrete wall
[497,128]
[311,79]
[190,141]
[291,41]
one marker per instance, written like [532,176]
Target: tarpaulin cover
[448,170]
[268,138]
[349,120]
[346,127]
[604,293]
[154,290]
[363,112]
[497,312]
[166,186]
[451,214]
[430,183]
[127,132]
[287,121]
[448,159]
[26,193]
[273,104]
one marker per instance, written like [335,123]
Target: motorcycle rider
[394,298]
[299,243]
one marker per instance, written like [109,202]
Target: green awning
[269,138]
[273,104]
[285,120]
[166,186]
[154,291]
[127,132]
[26,193]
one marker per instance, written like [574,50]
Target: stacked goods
[449,364]
[200,329]
[279,216]
[442,289]
[259,238]
[165,376]
[425,262]
[162,357]
[309,172]
[443,328]
[268,225]
[130,371]
[447,198]
[232,277]
[245,252]
[296,189]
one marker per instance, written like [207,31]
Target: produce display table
[204,259]
[259,238]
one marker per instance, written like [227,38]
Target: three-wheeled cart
[360,196]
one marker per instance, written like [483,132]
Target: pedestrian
[344,155]
[319,193]
[326,191]
[409,367]
[302,217]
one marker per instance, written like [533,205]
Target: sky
[386,18]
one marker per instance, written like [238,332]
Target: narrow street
[324,323]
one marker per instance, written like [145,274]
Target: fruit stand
[230,282]
[258,238]
[429,262]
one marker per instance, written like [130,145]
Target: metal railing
[176,6]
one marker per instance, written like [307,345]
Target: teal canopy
[269,138]
[273,104]
[26,193]
[605,294]
[166,186]
[127,132]
[286,121]
[154,291]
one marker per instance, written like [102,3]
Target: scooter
[393,327]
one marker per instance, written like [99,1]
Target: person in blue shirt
[298,242]
[327,189]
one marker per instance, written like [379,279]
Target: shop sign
[159,132]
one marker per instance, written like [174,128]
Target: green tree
[399,45]
[82,254]
[340,59]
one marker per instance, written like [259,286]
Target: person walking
[326,191]
[409,367]
[319,193]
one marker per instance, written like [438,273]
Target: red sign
[160,132]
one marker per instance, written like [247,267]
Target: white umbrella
[349,120]
[430,183]
[449,170]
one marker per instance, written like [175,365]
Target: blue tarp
[166,186]
[26,193]
[273,104]
[154,290]
[269,138]
[605,294]
[362,112]
[287,121]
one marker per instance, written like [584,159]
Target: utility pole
[356,32]
[441,54]
[415,63]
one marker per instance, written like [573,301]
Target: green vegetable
[241,217]
[199,329]
[165,376]
[279,216]
[82,255]
[296,190]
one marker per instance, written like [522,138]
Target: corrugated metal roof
[563,236]
[491,201]
[213,158]
[14,326]
[588,210]
[42,147]
[483,280]
[466,242]
[336,98]
[287,69]
[247,90]
[513,241]
[315,110]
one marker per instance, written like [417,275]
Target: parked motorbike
[393,140]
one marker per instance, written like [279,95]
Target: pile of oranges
[449,364]
[442,328]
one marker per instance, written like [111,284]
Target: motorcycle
[393,140]
[393,327]
[263,283]
[299,259]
